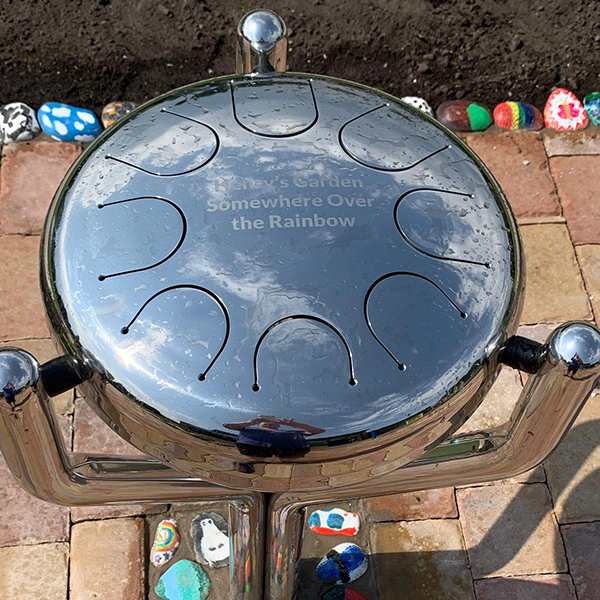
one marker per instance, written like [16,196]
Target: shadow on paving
[446,575]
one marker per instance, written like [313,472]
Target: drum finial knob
[261,43]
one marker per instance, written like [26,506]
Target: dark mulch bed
[88,52]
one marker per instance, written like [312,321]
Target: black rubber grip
[62,374]
[523,354]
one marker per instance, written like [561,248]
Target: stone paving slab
[498,404]
[34,572]
[20,297]
[414,506]
[510,530]
[518,161]
[30,174]
[535,587]
[583,552]
[554,286]
[572,143]
[421,560]
[589,259]
[574,469]
[576,180]
[107,560]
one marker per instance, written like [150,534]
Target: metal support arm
[32,446]
[569,370]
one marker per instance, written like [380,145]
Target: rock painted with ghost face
[66,123]
[210,535]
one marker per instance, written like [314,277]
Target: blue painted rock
[68,123]
[343,564]
[185,580]
[342,593]
[518,116]
[564,111]
[166,542]
[18,123]
[210,535]
[114,111]
[591,104]
[463,115]
[419,103]
[335,521]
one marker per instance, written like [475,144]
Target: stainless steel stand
[569,370]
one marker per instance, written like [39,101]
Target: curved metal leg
[551,400]
[32,447]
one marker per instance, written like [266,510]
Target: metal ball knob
[577,345]
[262,43]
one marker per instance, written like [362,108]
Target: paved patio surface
[533,537]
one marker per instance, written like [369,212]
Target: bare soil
[89,52]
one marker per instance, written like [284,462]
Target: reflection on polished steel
[281,221]
[261,43]
[330,227]
[547,407]
[31,443]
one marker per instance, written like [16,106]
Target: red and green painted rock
[518,115]
[564,111]
[463,115]
[341,593]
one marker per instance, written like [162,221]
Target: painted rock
[419,103]
[114,111]
[343,564]
[564,111]
[518,115]
[68,123]
[463,115]
[166,542]
[335,521]
[185,580]
[591,104]
[210,535]
[342,593]
[18,123]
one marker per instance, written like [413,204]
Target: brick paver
[92,435]
[23,518]
[30,174]
[421,560]
[576,180]
[34,572]
[20,297]
[510,530]
[417,545]
[518,162]
[535,587]
[554,286]
[107,560]
[583,553]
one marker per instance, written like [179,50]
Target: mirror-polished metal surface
[282,282]
[261,43]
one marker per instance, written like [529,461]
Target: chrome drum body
[282,282]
